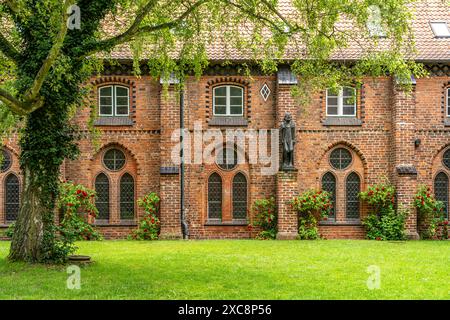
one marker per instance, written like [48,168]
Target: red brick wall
[391,121]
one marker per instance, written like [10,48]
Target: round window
[114,159]
[227,159]
[6,161]
[446,158]
[340,158]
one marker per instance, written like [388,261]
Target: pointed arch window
[12,197]
[215,196]
[329,185]
[127,197]
[239,196]
[441,189]
[102,201]
[353,187]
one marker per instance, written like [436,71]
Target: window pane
[220,91]
[349,101]
[127,197]
[236,101]
[102,201]
[121,92]
[348,92]
[106,110]
[122,110]
[122,101]
[236,109]
[446,158]
[332,111]
[106,91]
[215,196]
[235,92]
[12,197]
[332,101]
[348,110]
[218,101]
[220,110]
[352,186]
[7,161]
[114,159]
[105,101]
[239,197]
[329,185]
[332,92]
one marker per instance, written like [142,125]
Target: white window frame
[114,101]
[436,35]
[340,105]
[447,112]
[227,97]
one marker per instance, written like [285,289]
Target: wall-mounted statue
[288,142]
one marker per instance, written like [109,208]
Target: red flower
[249,227]
[446,222]
[84,193]
[325,218]
[78,191]
[378,238]
[153,220]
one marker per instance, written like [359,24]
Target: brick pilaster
[287,188]
[169,183]
[404,172]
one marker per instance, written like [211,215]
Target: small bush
[383,222]
[149,227]
[265,217]
[311,207]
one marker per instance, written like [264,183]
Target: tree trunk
[27,241]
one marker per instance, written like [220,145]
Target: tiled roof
[429,48]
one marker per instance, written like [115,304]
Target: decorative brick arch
[239,81]
[345,144]
[119,146]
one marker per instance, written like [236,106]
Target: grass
[244,269]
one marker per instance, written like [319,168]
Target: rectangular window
[228,101]
[114,101]
[341,102]
[448,102]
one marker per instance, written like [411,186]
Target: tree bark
[27,241]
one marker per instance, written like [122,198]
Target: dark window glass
[102,201]
[114,159]
[227,158]
[215,196]
[6,163]
[340,158]
[441,189]
[12,197]
[353,186]
[127,197]
[446,158]
[239,196]
[329,185]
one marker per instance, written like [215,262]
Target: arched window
[6,162]
[114,101]
[215,196]
[127,197]
[102,202]
[441,189]
[329,185]
[228,101]
[12,197]
[353,187]
[239,196]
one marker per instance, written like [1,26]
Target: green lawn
[243,269]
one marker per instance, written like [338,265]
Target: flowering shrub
[265,217]
[78,209]
[383,222]
[149,226]
[311,206]
[381,197]
[431,213]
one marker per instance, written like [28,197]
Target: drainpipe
[184,225]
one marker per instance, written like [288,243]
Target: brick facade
[383,142]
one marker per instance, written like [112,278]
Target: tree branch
[135,30]
[33,92]
[8,50]
[14,104]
